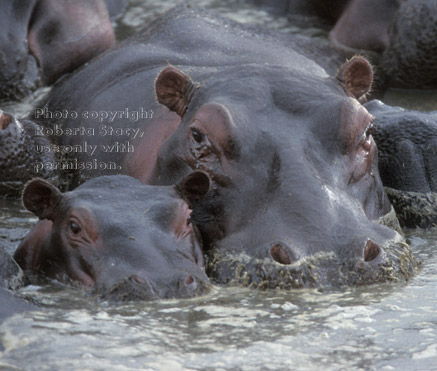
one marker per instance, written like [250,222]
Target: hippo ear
[357,76]
[5,120]
[194,187]
[41,198]
[174,89]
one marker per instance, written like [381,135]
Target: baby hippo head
[118,236]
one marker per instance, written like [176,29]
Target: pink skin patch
[141,163]
[181,225]
[5,120]
[360,147]
[28,254]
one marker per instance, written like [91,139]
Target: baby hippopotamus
[115,235]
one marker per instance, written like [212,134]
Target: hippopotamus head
[124,239]
[296,194]
[43,39]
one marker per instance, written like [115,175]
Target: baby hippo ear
[356,75]
[42,198]
[194,186]
[174,89]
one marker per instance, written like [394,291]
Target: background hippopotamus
[402,33]
[118,236]
[11,278]
[398,35]
[43,39]
[407,143]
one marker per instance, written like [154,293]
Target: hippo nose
[282,253]
[371,251]
[130,288]
[190,283]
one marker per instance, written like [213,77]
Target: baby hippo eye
[74,227]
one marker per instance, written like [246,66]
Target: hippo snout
[140,287]
[131,288]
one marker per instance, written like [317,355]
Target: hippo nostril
[371,251]
[5,120]
[138,279]
[189,280]
[195,186]
[280,254]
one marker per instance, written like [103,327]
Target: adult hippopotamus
[296,199]
[43,39]
[115,235]
[407,143]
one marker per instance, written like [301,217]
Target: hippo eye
[369,130]
[197,135]
[74,227]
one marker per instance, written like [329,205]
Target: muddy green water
[384,327]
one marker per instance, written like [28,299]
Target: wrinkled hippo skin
[11,278]
[18,155]
[407,146]
[411,59]
[115,235]
[295,185]
[43,39]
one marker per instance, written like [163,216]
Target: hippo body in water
[407,143]
[11,278]
[115,235]
[43,39]
[295,184]
[399,36]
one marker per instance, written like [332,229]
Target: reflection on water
[384,327]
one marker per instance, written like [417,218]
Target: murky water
[384,327]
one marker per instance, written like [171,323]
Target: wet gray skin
[18,155]
[11,278]
[407,143]
[116,236]
[295,184]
